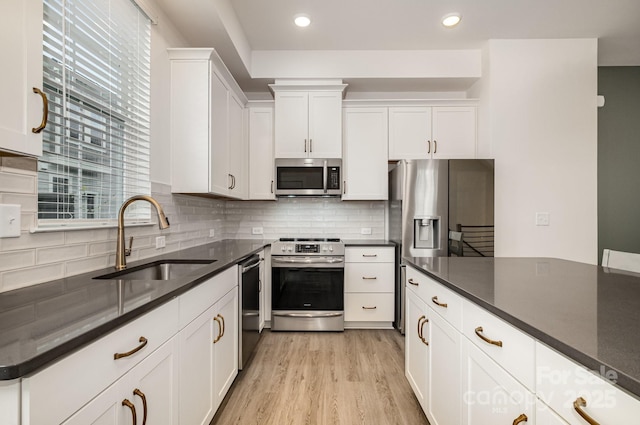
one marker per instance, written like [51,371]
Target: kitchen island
[554,312]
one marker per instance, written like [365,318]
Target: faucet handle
[127,251]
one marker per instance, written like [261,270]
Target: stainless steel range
[307,285]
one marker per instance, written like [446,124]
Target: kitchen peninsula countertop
[41,323]
[589,313]
[368,242]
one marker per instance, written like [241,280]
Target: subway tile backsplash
[38,257]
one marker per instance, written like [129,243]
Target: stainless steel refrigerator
[437,208]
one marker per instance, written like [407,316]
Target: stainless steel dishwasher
[249,320]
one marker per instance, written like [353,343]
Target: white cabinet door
[225,363]
[238,151]
[416,350]
[220,181]
[149,391]
[261,165]
[291,124]
[422,132]
[196,369]
[21,46]
[325,124]
[308,124]
[409,132]
[365,154]
[454,132]
[444,406]
[489,394]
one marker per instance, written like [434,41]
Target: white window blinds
[97,78]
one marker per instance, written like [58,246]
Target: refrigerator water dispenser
[426,232]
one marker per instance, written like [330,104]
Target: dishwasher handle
[251,263]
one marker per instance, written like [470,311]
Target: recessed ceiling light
[302,20]
[451,20]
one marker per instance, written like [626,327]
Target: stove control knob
[282,248]
[289,248]
[330,248]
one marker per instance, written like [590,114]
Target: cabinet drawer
[198,299]
[53,394]
[368,307]
[369,254]
[560,381]
[443,301]
[517,353]
[363,277]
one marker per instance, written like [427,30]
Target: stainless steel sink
[160,270]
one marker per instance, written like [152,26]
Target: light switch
[9,221]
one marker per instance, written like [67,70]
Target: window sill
[68,227]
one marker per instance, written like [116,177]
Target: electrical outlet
[365,231]
[160,242]
[542,219]
[212,232]
[9,221]
[257,230]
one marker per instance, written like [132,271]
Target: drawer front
[517,353]
[54,393]
[203,296]
[445,302]
[561,381]
[419,283]
[373,307]
[369,254]
[363,277]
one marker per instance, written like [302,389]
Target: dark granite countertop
[589,313]
[368,242]
[41,323]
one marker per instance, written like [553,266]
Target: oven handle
[297,260]
[325,176]
[306,315]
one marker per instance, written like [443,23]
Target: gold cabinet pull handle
[144,404]
[369,278]
[428,146]
[439,304]
[420,319]
[370,308]
[305,145]
[412,282]
[219,329]
[520,419]
[578,405]
[143,341]
[223,325]
[424,340]
[369,255]
[435,146]
[310,145]
[479,331]
[130,405]
[45,111]
[271,186]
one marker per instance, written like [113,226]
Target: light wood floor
[317,378]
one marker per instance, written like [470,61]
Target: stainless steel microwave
[308,177]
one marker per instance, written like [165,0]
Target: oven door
[307,283]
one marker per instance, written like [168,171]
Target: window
[97,78]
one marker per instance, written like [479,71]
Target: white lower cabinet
[369,286]
[489,394]
[444,376]
[416,347]
[148,393]
[576,393]
[208,360]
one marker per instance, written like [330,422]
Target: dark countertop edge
[36,363]
[625,382]
[368,242]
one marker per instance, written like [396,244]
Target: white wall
[543,130]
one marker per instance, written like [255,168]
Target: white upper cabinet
[22,108]
[308,123]
[261,165]
[208,139]
[421,132]
[365,154]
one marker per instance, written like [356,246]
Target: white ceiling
[238,27]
